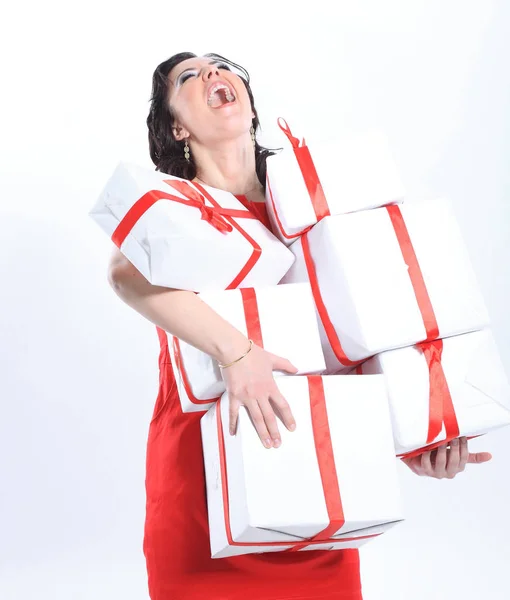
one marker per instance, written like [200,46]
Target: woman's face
[210,103]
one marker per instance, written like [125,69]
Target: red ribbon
[257,250]
[288,236]
[415,274]
[326,460]
[220,218]
[329,328]
[310,177]
[142,205]
[441,408]
[251,313]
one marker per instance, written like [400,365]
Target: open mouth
[219,95]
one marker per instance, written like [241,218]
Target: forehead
[189,63]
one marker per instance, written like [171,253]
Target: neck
[229,166]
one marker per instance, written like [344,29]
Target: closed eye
[190,73]
[183,78]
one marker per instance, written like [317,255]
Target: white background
[78,368]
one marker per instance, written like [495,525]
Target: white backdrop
[78,368]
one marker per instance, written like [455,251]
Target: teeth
[220,86]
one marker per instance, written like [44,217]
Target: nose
[210,72]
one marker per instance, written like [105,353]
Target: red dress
[176,541]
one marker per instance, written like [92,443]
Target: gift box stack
[394,289]
[370,286]
[333,482]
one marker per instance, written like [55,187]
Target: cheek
[187,107]
[243,92]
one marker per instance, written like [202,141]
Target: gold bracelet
[237,359]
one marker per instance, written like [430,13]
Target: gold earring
[186,150]
[252,132]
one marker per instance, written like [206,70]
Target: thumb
[479,457]
[282,364]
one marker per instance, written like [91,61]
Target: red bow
[209,213]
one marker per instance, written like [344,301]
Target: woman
[202,125]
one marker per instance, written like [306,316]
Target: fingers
[263,417]
[283,409]
[270,422]
[426,464]
[414,464]
[464,453]
[444,462]
[259,422]
[440,464]
[256,418]
[233,414]
[453,467]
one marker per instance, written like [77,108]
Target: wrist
[228,350]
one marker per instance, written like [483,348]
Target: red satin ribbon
[327,468]
[441,408]
[192,194]
[288,236]
[252,317]
[415,274]
[142,205]
[326,460]
[329,328]
[310,177]
[220,218]
[257,250]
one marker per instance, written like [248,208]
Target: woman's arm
[179,312]
[250,381]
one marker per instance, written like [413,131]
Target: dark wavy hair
[166,152]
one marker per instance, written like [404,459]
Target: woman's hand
[250,383]
[443,463]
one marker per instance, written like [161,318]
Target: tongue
[219,98]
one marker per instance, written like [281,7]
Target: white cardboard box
[174,244]
[356,172]
[365,284]
[279,318]
[262,500]
[475,378]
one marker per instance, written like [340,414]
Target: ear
[180,132]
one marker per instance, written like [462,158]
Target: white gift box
[332,484]
[281,319]
[183,235]
[356,172]
[476,394]
[377,289]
